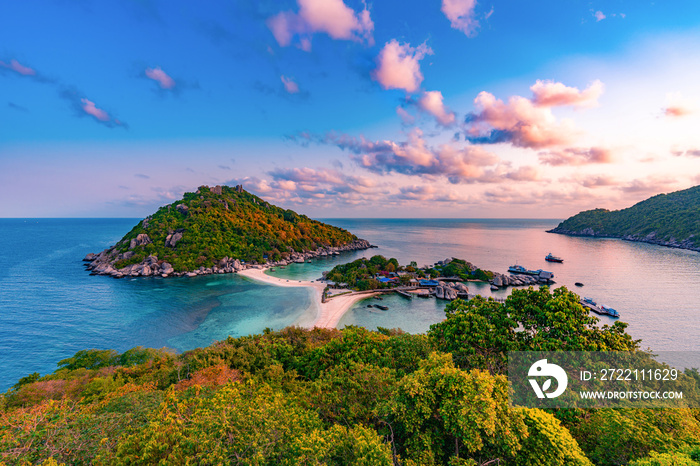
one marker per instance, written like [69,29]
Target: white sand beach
[329,313]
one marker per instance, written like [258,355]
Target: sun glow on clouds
[398,66]
[330,16]
[461,15]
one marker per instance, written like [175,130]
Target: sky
[344,108]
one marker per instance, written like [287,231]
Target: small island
[671,220]
[217,230]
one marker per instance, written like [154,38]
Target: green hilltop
[666,219]
[217,224]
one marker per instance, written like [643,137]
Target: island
[671,220]
[217,230]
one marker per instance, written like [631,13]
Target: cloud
[414,157]
[529,123]
[406,118]
[677,106]
[322,186]
[576,156]
[289,85]
[161,77]
[519,122]
[224,167]
[592,181]
[461,15]
[431,102]
[142,176]
[599,16]
[398,67]
[649,186]
[551,94]
[428,193]
[332,17]
[17,67]
[83,106]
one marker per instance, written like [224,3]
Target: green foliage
[250,424]
[635,433]
[231,224]
[665,217]
[341,397]
[480,332]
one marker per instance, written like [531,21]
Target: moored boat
[552,258]
[578,284]
[519,269]
[602,310]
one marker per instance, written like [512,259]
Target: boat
[610,311]
[602,310]
[578,284]
[383,308]
[522,270]
[552,258]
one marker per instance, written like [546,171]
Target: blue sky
[447,108]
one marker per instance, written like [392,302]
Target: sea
[51,307]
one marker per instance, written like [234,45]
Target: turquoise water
[50,307]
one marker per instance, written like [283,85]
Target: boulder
[166,268]
[90,257]
[450,293]
[190,274]
[498,279]
[172,240]
[440,292]
[141,240]
[182,208]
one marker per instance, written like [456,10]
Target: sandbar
[330,312]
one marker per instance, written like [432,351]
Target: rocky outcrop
[141,240]
[503,280]
[450,290]
[104,262]
[172,239]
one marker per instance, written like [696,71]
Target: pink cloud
[461,15]
[599,16]
[574,156]
[17,67]
[398,67]
[406,118]
[677,105]
[332,17]
[289,85]
[552,94]
[519,122]
[677,111]
[89,107]
[161,77]
[414,157]
[432,102]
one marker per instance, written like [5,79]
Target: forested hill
[666,219]
[212,230]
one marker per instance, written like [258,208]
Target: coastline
[589,233]
[329,313]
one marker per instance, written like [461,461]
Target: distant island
[671,220]
[218,230]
